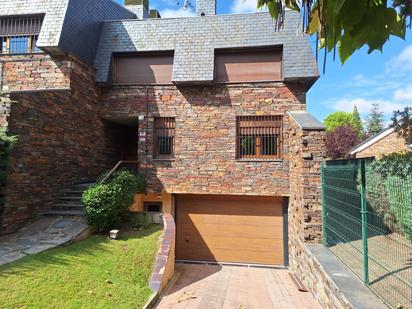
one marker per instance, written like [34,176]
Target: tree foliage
[357,123]
[340,140]
[337,119]
[402,123]
[347,25]
[374,123]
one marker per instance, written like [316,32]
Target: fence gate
[367,224]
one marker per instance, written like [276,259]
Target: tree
[339,141]
[357,123]
[374,123]
[347,24]
[402,123]
[337,119]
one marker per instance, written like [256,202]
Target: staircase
[69,205]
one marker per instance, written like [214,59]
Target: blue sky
[385,77]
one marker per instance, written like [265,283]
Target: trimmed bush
[107,205]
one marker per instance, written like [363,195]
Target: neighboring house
[212,109]
[383,143]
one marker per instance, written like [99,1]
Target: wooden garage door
[230,229]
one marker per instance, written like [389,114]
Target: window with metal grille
[164,136]
[259,137]
[153,207]
[18,35]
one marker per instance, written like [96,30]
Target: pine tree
[357,123]
[375,120]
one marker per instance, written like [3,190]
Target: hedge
[107,204]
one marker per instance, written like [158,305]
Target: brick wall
[305,204]
[205,143]
[61,137]
[389,144]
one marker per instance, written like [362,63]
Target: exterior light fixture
[113,234]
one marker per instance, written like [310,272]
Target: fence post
[364,212]
[324,234]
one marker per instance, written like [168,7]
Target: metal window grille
[18,35]
[164,136]
[259,137]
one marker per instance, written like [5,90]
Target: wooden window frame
[25,29]
[164,127]
[259,128]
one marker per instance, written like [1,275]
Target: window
[18,35]
[248,65]
[143,68]
[152,207]
[164,136]
[259,137]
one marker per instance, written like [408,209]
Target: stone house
[383,143]
[210,108]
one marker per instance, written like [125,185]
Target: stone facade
[205,143]
[305,206]
[389,144]
[61,137]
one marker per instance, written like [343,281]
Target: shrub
[106,205]
[391,182]
[6,144]
[340,141]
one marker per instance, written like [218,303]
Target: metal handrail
[115,168]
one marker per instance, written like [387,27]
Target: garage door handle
[187,240]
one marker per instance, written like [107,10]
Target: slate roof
[306,121]
[194,40]
[95,29]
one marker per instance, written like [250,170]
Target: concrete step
[65,213]
[70,198]
[68,205]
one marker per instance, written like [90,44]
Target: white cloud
[364,106]
[181,12]
[403,94]
[402,62]
[244,6]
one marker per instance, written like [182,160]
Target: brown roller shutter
[230,229]
[143,69]
[248,66]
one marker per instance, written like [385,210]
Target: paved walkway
[234,287]
[39,236]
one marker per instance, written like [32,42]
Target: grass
[93,273]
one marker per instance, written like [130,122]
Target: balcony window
[19,35]
[259,137]
[164,136]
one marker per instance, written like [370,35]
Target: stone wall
[389,144]
[205,143]
[34,72]
[61,137]
[305,202]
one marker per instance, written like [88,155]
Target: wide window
[143,68]
[164,137]
[259,137]
[18,35]
[248,65]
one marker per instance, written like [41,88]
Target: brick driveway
[215,286]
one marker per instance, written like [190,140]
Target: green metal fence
[367,220]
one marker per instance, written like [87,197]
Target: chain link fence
[367,220]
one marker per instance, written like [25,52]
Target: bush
[391,185]
[6,144]
[340,141]
[106,205]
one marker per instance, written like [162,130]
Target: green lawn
[93,273]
